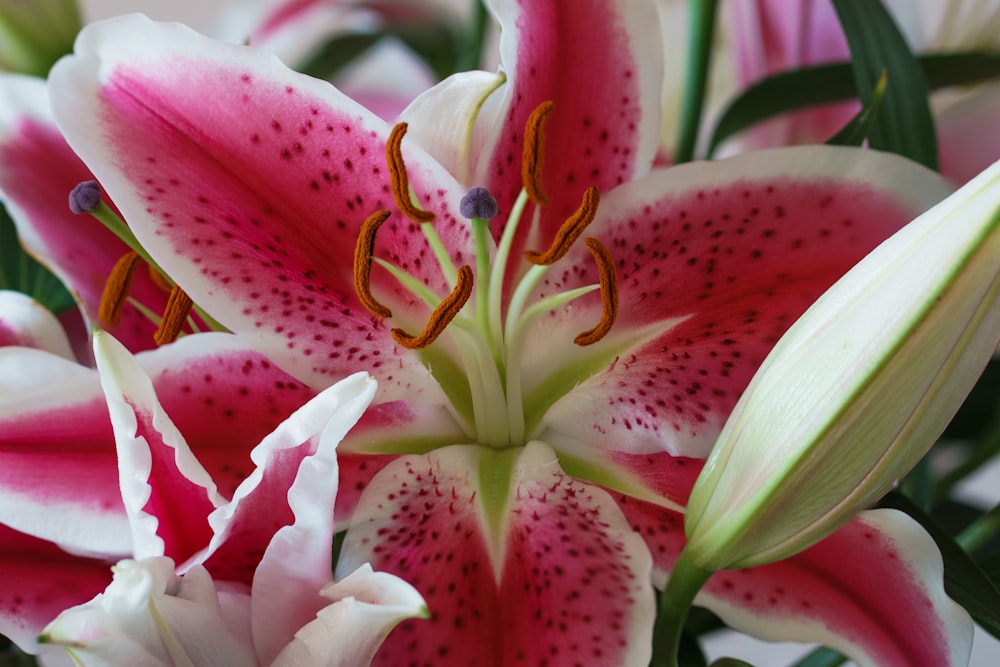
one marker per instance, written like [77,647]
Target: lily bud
[34,35]
[857,390]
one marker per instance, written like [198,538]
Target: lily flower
[860,387]
[258,592]
[544,400]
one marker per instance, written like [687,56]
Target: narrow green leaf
[964,581]
[810,86]
[21,273]
[701,28]
[731,662]
[905,124]
[822,657]
[860,126]
[336,54]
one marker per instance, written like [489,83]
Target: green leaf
[731,662]
[21,273]
[860,126]
[964,581]
[905,125]
[822,657]
[336,54]
[810,86]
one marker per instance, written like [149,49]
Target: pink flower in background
[774,36]
[526,478]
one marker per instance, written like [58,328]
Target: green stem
[701,27]
[980,531]
[686,579]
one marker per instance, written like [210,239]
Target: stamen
[158,279]
[85,197]
[116,288]
[397,175]
[363,251]
[569,232]
[178,308]
[442,315]
[609,293]
[533,153]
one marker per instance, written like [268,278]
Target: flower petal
[248,183]
[168,494]
[525,567]
[367,605]
[285,509]
[600,64]
[845,592]
[37,172]
[735,251]
[25,322]
[37,581]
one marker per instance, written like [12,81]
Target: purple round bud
[85,197]
[478,203]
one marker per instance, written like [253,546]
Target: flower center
[487,395]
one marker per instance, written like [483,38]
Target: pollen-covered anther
[609,293]
[569,232]
[178,308]
[533,153]
[398,178]
[446,311]
[364,249]
[116,288]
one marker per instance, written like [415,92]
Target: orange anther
[533,153]
[116,289]
[569,232]
[398,178]
[609,293]
[178,308]
[442,315]
[363,252]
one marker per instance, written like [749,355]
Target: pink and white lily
[529,487]
[258,588]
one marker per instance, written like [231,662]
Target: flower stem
[686,579]
[980,531]
[701,22]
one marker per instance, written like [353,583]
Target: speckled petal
[37,172]
[248,183]
[714,261]
[846,591]
[556,576]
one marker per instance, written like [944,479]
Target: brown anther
[609,293]
[178,308]
[158,279]
[569,232]
[533,153]
[116,288]
[398,178]
[363,252]
[442,315]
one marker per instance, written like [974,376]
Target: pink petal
[58,470]
[37,581]
[25,322]
[168,494]
[600,64]
[251,182]
[37,172]
[714,261]
[563,578]
[296,564]
[967,142]
[846,592]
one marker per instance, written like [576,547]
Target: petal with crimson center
[600,63]
[845,592]
[517,561]
[37,581]
[251,183]
[715,261]
[37,172]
